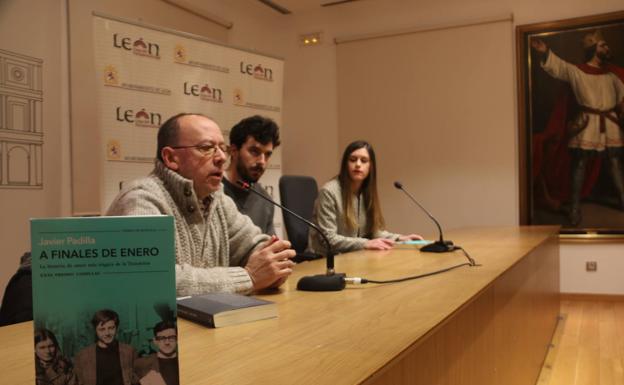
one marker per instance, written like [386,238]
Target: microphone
[439,246]
[330,281]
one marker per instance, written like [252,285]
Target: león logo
[141,118]
[204,92]
[257,71]
[138,47]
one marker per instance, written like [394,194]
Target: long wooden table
[473,325]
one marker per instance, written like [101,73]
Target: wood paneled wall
[501,337]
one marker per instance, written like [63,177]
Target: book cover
[224,309]
[104,302]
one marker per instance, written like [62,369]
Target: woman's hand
[379,244]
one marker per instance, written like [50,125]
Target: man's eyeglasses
[207,150]
[166,338]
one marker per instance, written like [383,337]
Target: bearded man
[252,142]
[594,126]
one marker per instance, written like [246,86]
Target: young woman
[347,208]
[50,365]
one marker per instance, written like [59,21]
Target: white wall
[34,28]
[418,98]
[607,279]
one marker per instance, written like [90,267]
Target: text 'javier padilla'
[71,240]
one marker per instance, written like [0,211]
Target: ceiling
[299,6]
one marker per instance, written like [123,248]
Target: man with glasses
[252,142]
[218,249]
[161,367]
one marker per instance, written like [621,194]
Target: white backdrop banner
[147,74]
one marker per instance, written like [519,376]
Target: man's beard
[604,57]
[244,175]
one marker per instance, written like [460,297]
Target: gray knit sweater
[213,241]
[329,216]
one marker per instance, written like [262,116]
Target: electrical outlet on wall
[591,266]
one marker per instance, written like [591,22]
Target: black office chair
[298,193]
[17,300]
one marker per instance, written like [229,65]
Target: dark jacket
[144,365]
[63,374]
[85,366]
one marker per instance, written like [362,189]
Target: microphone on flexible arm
[439,246]
[330,281]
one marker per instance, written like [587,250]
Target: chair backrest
[17,300]
[298,193]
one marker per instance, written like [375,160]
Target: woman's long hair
[368,191]
[59,363]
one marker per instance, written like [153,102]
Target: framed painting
[571,123]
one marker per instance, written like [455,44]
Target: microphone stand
[330,281]
[439,246]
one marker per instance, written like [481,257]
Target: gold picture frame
[566,178]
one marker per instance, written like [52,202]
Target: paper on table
[415,242]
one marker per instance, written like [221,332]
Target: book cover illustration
[104,302]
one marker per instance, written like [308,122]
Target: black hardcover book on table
[223,309]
